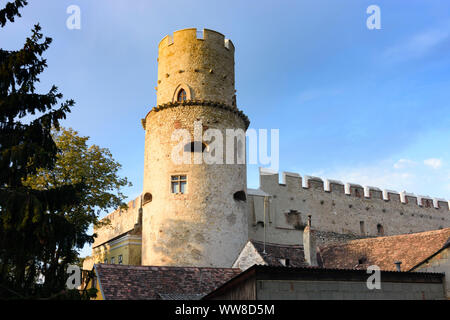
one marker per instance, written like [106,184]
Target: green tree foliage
[79,163]
[42,225]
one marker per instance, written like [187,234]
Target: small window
[195,146]
[113,260]
[380,230]
[361,228]
[178,184]
[147,198]
[240,196]
[105,261]
[120,258]
[181,96]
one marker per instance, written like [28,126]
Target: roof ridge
[278,244]
[397,236]
[162,267]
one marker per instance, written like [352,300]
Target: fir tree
[37,241]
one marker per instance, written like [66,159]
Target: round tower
[194,212]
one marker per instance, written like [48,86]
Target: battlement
[193,35]
[121,221]
[269,179]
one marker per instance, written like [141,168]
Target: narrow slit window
[181,96]
[178,184]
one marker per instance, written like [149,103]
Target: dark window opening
[181,96]
[362,260]
[147,198]
[361,228]
[380,230]
[240,196]
[195,146]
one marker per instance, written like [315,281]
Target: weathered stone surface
[205,226]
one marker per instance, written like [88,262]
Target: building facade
[193,213]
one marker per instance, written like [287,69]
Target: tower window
[240,196]
[181,96]
[195,146]
[147,198]
[178,184]
[120,259]
[113,260]
[380,230]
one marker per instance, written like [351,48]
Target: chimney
[309,244]
[398,265]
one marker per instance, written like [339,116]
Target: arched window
[181,95]
[147,198]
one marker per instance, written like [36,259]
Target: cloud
[404,163]
[433,163]
[418,45]
[386,175]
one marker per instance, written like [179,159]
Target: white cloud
[404,163]
[418,45]
[386,175]
[433,163]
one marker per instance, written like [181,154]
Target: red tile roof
[410,249]
[118,282]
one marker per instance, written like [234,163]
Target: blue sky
[359,105]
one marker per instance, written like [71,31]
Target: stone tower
[194,214]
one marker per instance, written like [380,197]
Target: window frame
[183,93]
[178,180]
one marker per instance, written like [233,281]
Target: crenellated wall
[199,61]
[121,221]
[337,207]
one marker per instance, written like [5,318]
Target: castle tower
[194,214]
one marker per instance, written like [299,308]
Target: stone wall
[201,61]
[337,208]
[205,226]
[121,221]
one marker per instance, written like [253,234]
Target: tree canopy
[44,208]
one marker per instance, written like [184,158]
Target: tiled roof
[275,252]
[180,296]
[120,282]
[410,249]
